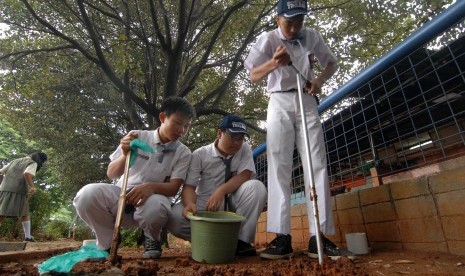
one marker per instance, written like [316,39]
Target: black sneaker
[279,248]
[152,249]
[31,239]
[329,249]
[245,249]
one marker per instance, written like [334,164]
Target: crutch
[313,195]
[121,202]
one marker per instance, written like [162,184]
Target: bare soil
[177,261]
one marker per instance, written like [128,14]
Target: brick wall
[417,210]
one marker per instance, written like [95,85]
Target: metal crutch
[313,195]
[121,202]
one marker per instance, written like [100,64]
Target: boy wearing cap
[270,57]
[224,167]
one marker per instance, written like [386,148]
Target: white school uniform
[207,173]
[284,128]
[97,203]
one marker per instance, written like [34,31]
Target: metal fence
[405,111]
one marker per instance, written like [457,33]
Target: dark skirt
[12,204]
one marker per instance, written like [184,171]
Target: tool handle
[121,202]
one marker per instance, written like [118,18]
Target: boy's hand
[281,56]
[126,140]
[191,207]
[215,201]
[139,194]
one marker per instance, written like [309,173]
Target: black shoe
[279,248]
[329,249]
[245,249]
[152,249]
[31,239]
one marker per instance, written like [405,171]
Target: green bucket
[214,236]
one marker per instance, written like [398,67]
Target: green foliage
[73,82]
[56,229]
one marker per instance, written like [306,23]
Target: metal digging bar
[121,202]
[313,195]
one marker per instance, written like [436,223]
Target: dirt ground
[177,261]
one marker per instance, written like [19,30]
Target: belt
[295,90]
[285,91]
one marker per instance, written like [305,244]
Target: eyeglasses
[237,137]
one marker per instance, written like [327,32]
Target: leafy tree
[76,75]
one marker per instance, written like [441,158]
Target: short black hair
[175,104]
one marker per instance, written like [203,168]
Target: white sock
[27,229]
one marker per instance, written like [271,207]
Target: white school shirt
[146,167]
[207,170]
[284,78]
[30,169]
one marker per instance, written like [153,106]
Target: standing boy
[222,168]
[270,57]
[153,179]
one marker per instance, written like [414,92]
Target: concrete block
[336,238]
[336,218]
[306,236]
[350,216]
[379,212]
[296,222]
[297,236]
[409,188]
[451,203]
[344,229]
[421,230]
[262,217]
[333,203]
[382,246]
[383,232]
[457,247]
[347,200]
[12,246]
[260,239]
[415,207]
[305,224]
[426,246]
[375,195]
[261,227]
[446,181]
[304,209]
[454,227]
[296,210]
